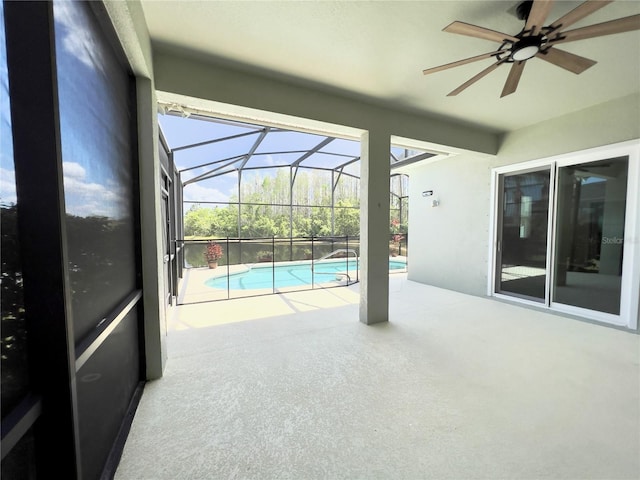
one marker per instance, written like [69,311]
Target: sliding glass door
[560,234]
[522,234]
[590,234]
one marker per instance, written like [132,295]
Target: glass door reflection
[522,234]
[590,234]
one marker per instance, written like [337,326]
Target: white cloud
[7,187]
[84,198]
[74,170]
[197,193]
[76,40]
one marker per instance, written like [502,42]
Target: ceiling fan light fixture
[526,48]
[525,53]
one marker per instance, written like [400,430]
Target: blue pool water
[293,275]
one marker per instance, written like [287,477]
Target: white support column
[151,232]
[374,227]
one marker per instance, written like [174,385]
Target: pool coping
[245,267]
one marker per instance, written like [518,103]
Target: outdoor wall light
[429,193]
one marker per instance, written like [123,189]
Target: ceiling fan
[537,40]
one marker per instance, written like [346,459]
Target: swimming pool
[292,275]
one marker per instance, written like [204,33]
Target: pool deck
[194,290]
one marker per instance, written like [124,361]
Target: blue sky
[7,181]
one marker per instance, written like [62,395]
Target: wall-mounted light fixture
[429,193]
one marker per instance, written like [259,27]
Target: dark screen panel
[105,386]
[19,463]
[14,364]
[95,124]
[97,118]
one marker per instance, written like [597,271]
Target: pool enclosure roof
[205,148]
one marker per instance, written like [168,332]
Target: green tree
[347,220]
[320,222]
[225,222]
[265,211]
[211,222]
[199,221]
[301,225]
[283,225]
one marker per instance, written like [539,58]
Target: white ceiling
[378,49]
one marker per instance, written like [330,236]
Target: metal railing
[292,263]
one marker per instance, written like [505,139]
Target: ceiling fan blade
[538,14]
[568,61]
[513,79]
[625,24]
[478,32]
[578,13]
[461,62]
[474,79]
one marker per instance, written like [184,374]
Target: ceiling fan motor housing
[524,9]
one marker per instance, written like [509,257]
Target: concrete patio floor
[293,386]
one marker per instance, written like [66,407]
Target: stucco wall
[449,244]
[611,122]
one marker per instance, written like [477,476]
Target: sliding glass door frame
[499,224]
[628,316]
[496,225]
[630,289]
